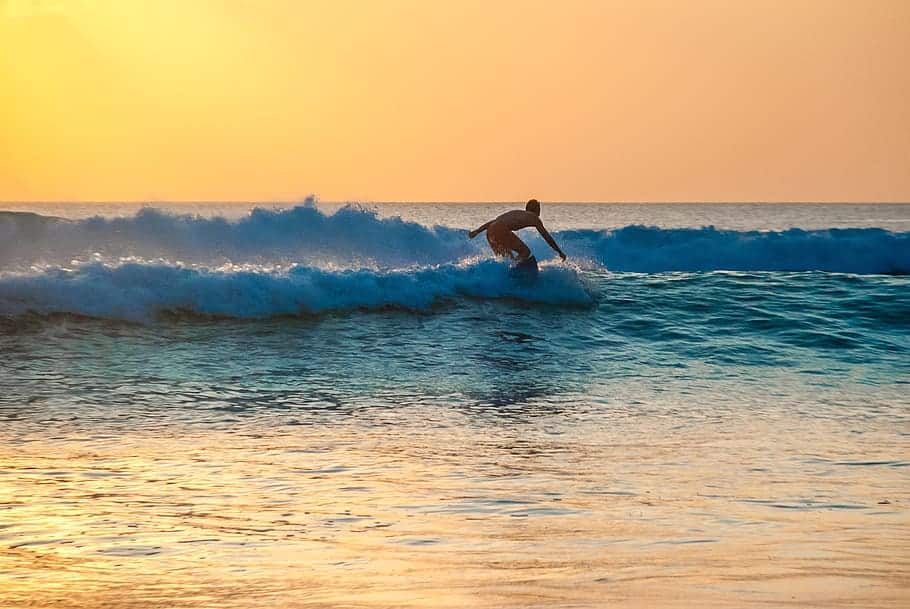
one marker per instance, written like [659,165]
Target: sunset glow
[608,101]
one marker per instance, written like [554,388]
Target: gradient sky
[697,100]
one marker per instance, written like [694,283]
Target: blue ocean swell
[647,249]
[763,318]
[357,237]
[742,318]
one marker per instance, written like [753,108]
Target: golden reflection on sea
[539,515]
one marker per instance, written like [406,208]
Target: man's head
[533,206]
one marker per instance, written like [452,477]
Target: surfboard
[526,269]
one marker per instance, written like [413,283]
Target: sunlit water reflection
[431,506]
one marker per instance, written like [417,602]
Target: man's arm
[549,239]
[479,229]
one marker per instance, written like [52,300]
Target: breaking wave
[304,261]
[352,235]
[355,237]
[140,292]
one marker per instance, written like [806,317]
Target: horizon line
[425,202]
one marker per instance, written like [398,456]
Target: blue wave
[354,237]
[139,292]
[646,249]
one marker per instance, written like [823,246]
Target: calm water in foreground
[308,408]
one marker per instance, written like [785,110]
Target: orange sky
[698,100]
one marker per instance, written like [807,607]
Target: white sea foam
[139,292]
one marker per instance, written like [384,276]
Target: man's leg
[509,242]
[503,242]
[498,238]
[518,246]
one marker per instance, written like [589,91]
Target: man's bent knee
[523,250]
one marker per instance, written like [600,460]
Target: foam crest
[139,292]
[352,235]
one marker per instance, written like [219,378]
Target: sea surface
[326,405]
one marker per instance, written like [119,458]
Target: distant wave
[139,292]
[354,237]
[645,249]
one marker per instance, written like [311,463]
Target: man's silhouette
[504,242]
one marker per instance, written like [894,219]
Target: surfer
[502,238]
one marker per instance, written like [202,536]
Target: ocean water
[338,406]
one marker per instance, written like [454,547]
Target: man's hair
[533,206]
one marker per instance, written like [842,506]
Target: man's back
[517,219]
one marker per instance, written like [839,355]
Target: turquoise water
[830,340]
[362,397]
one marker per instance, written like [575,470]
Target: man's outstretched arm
[549,240]
[479,229]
